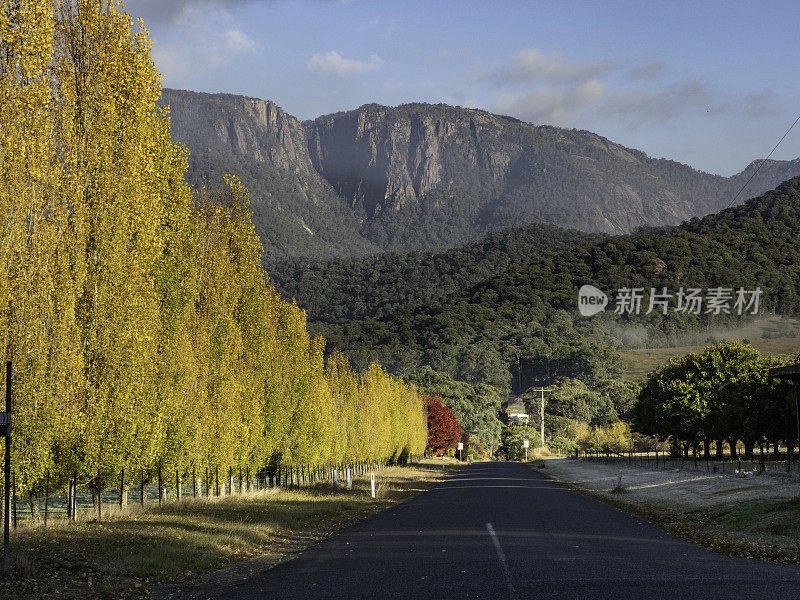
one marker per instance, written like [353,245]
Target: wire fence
[760,463]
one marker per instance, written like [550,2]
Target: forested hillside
[432,177]
[522,326]
[340,290]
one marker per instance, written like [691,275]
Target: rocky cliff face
[296,211]
[424,176]
[224,125]
[390,158]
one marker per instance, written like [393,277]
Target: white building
[521,419]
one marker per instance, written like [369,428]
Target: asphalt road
[498,530]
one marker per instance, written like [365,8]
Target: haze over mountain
[431,177]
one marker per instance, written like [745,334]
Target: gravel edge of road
[694,526]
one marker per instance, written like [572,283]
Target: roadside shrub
[512,439]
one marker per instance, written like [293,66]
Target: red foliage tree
[443,429]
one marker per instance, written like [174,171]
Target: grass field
[131,554]
[768,335]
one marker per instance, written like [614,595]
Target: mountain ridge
[432,176]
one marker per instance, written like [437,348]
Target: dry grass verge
[159,549]
[754,516]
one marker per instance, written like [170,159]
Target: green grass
[128,554]
[638,363]
[764,529]
[772,518]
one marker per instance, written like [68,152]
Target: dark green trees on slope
[340,290]
[522,326]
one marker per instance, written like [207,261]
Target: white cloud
[545,87]
[207,40]
[647,71]
[335,63]
[534,65]
[593,100]
[235,40]
[551,105]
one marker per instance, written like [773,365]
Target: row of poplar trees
[143,332]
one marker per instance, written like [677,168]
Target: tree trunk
[734,452]
[70,500]
[720,450]
[97,501]
[36,511]
[748,449]
[123,491]
[706,449]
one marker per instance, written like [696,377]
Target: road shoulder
[750,516]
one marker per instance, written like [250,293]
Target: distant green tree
[722,394]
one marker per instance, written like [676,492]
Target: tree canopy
[721,393]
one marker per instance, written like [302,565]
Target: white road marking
[503,562]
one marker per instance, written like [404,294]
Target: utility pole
[541,410]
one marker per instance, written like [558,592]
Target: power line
[762,162]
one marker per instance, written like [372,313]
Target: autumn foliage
[443,429]
[144,334]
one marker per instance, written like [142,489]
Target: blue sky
[711,84]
